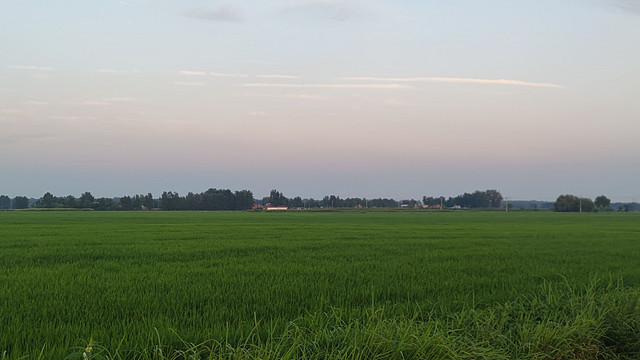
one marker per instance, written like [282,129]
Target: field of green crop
[319,285]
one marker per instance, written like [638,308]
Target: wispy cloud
[397,102]
[227,13]
[191,72]
[456,80]
[327,86]
[94,102]
[202,73]
[14,138]
[291,96]
[88,102]
[30,67]
[190,83]
[39,76]
[228,75]
[116,71]
[275,76]
[11,111]
[72,118]
[334,10]
[258,113]
[36,102]
[122,99]
[628,5]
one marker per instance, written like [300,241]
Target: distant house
[276,208]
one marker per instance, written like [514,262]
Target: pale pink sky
[371,99]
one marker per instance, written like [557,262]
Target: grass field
[352,284]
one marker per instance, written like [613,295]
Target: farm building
[276,208]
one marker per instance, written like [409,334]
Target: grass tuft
[555,322]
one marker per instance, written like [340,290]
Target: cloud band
[457,80]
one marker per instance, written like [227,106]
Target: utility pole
[580,197]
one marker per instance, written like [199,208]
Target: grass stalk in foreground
[556,322]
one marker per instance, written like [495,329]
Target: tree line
[572,203]
[276,198]
[476,199]
[18,202]
[225,199]
[88,201]
[212,199]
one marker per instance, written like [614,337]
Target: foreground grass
[319,285]
[555,322]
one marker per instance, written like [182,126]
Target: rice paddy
[321,285]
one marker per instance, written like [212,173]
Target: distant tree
[47,200]
[212,199]
[449,202]
[311,203]
[217,199]
[209,200]
[572,203]
[5,202]
[244,200]
[335,201]
[191,201]
[325,202]
[125,203]
[567,203]
[104,204]
[148,201]
[431,201]
[20,202]
[296,202]
[136,202]
[354,202]
[624,207]
[587,205]
[479,199]
[495,198]
[86,200]
[276,198]
[70,201]
[603,203]
[382,203]
[476,199]
[170,201]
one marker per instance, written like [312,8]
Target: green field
[351,284]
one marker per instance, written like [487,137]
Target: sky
[355,98]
